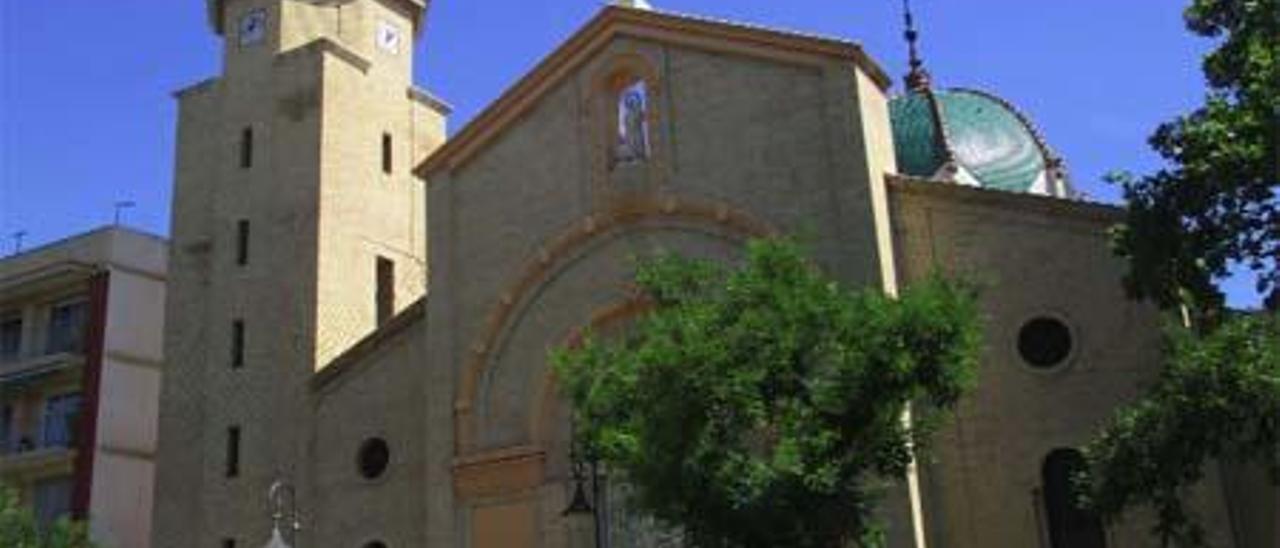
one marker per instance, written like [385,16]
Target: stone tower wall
[318,97]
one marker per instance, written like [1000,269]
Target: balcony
[30,369]
[36,464]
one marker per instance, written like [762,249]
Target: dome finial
[917,78]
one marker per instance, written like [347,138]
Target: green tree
[762,406]
[1218,396]
[18,527]
[1215,205]
[1213,208]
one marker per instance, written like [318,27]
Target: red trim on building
[87,438]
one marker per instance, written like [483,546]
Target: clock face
[253,27]
[388,37]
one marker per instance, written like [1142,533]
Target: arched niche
[627,109]
[504,388]
[1069,526]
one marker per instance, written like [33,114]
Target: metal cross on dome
[917,77]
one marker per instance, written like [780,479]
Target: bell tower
[254,31]
[298,227]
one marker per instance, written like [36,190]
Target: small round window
[373,458]
[1044,342]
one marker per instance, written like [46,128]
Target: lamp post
[275,497]
[583,518]
[580,515]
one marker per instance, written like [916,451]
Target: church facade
[361,310]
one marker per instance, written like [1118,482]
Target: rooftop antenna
[917,78]
[122,205]
[17,241]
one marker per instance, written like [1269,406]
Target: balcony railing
[27,444]
[37,463]
[37,366]
[62,436]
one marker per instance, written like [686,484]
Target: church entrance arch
[511,426]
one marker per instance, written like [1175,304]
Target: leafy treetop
[18,528]
[1219,395]
[758,406]
[1216,204]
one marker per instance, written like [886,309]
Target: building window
[375,544]
[6,429]
[61,416]
[1069,525]
[1044,342]
[385,297]
[633,124]
[386,153]
[242,242]
[228,543]
[373,458]
[233,452]
[10,337]
[51,499]
[67,324]
[237,343]
[246,148]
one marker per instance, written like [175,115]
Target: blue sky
[87,118]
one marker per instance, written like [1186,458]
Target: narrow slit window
[242,242]
[385,296]
[387,157]
[246,148]
[237,343]
[233,451]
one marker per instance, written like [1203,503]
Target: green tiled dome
[971,137]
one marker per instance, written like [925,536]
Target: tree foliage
[1214,207]
[759,406]
[18,528]
[1216,204]
[1219,396]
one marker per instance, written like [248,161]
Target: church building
[360,310]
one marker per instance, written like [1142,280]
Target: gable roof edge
[346,363]
[610,22]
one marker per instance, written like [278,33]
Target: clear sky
[87,117]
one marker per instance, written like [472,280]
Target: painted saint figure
[633,142]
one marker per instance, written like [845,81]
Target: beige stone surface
[318,95]
[774,142]
[1033,256]
[372,398]
[531,226]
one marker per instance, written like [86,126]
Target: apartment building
[81,324]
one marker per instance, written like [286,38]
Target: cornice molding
[1013,202]
[327,45]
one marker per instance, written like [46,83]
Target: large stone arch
[594,248]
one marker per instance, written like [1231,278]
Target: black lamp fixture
[583,517]
[579,505]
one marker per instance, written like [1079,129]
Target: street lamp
[581,516]
[275,497]
[583,519]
